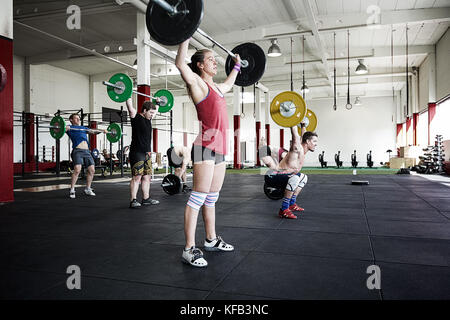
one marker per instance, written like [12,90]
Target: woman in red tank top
[209,149]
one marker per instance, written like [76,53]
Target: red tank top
[213,117]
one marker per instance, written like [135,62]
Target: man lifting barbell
[80,153]
[140,148]
[288,172]
[179,158]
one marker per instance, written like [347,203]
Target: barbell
[171,22]
[120,89]
[58,129]
[288,109]
[172,184]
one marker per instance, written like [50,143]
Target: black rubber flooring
[400,223]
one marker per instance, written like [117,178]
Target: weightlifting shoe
[194,257]
[217,244]
[89,192]
[134,204]
[149,201]
[295,207]
[286,213]
[72,194]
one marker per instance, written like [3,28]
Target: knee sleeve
[211,199]
[303,180]
[293,182]
[196,200]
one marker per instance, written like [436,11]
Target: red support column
[408,127]
[93,137]
[237,142]
[268,134]
[415,121]
[155,140]
[145,89]
[281,138]
[29,138]
[6,121]
[258,137]
[431,114]
[185,139]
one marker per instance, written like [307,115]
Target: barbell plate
[256,59]
[171,184]
[273,193]
[3,77]
[166,102]
[118,95]
[60,127]
[114,132]
[310,121]
[296,105]
[173,30]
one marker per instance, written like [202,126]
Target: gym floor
[400,223]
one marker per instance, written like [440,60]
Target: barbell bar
[122,87]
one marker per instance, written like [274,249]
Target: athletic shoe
[186,189]
[217,245]
[194,257]
[134,204]
[149,201]
[295,207]
[89,192]
[72,194]
[286,213]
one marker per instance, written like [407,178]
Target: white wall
[443,66]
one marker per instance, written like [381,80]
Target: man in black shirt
[140,148]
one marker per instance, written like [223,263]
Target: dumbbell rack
[433,159]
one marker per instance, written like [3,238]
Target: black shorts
[174,160]
[141,163]
[200,153]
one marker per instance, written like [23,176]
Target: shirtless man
[179,157]
[288,173]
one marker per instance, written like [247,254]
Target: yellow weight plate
[288,109]
[310,121]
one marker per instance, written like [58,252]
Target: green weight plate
[114,133]
[60,124]
[124,81]
[166,102]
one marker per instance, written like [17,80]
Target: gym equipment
[172,184]
[353,157]
[323,163]
[310,121]
[120,89]
[337,159]
[58,129]
[288,109]
[171,22]
[272,192]
[360,182]
[3,77]
[433,159]
[369,159]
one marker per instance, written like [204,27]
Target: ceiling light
[361,68]
[304,89]
[274,50]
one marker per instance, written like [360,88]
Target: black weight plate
[256,59]
[171,31]
[272,192]
[175,186]
[95,153]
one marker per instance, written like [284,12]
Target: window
[441,121]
